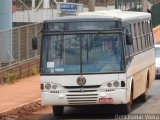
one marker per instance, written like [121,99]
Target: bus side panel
[138,69]
[139,82]
[151,74]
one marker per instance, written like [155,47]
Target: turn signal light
[122,84]
[42,87]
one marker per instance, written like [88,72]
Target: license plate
[105,100]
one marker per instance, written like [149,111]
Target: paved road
[152,106]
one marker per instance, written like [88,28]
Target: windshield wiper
[95,38]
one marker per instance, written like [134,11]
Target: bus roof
[107,14]
[123,15]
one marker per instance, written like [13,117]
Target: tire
[144,97]
[157,76]
[58,110]
[126,108]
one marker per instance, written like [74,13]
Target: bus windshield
[82,53]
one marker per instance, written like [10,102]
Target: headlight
[116,84]
[47,86]
[54,86]
[42,86]
[109,84]
[105,85]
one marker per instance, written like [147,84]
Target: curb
[26,108]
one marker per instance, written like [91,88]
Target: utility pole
[46,6]
[33,3]
[145,5]
[91,5]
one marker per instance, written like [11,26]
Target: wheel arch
[148,78]
[131,87]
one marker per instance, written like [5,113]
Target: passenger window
[145,34]
[151,34]
[142,36]
[134,38]
[139,44]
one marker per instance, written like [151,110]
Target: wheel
[126,108]
[58,110]
[157,76]
[143,97]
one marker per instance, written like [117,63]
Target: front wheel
[58,110]
[144,96]
[126,108]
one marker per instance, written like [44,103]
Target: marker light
[116,84]
[109,84]
[47,86]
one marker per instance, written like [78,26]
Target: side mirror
[129,39]
[34,43]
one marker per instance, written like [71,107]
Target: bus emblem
[81,81]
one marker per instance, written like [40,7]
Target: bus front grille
[82,88]
[81,99]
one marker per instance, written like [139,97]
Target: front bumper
[117,96]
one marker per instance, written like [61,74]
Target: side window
[142,36]
[131,51]
[129,48]
[139,44]
[151,34]
[129,29]
[134,38]
[148,33]
[145,34]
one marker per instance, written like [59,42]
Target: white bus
[102,57]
